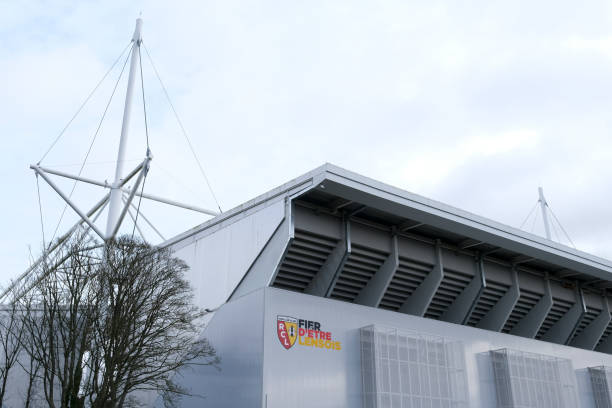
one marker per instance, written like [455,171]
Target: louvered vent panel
[361,265]
[606,333]
[304,258]
[489,298]
[558,310]
[590,315]
[451,286]
[524,304]
[407,278]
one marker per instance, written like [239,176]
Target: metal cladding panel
[306,375]
[235,332]
[218,261]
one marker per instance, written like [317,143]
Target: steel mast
[115,204]
[543,205]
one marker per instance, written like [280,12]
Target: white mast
[115,195]
[543,205]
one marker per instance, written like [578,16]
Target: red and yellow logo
[305,333]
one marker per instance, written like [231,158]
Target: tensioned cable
[144,107]
[561,226]
[554,229]
[42,225]
[528,215]
[182,128]
[92,143]
[139,201]
[534,222]
[84,103]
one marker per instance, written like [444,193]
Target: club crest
[286,328]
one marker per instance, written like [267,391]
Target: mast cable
[91,144]
[529,215]
[144,106]
[552,224]
[182,127]
[83,104]
[534,222]
[561,226]
[146,170]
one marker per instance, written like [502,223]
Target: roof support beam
[606,345]
[591,334]
[324,281]
[496,318]
[375,289]
[483,284]
[468,243]
[517,260]
[417,303]
[561,331]
[409,225]
[529,325]
[459,310]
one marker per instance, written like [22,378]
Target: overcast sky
[472,103]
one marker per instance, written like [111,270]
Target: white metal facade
[348,253]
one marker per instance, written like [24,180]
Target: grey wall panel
[416,250]
[236,333]
[322,224]
[567,294]
[261,271]
[498,273]
[458,261]
[370,237]
[305,376]
[533,283]
[219,261]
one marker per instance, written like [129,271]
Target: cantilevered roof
[335,189]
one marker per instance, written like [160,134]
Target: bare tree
[111,322]
[10,343]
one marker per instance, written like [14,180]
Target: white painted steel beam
[171,202]
[115,198]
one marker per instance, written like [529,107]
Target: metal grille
[590,315]
[527,301]
[529,380]
[407,278]
[557,311]
[492,293]
[602,386]
[303,259]
[402,370]
[451,286]
[358,269]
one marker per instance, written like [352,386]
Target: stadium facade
[335,290]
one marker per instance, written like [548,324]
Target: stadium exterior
[335,290]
